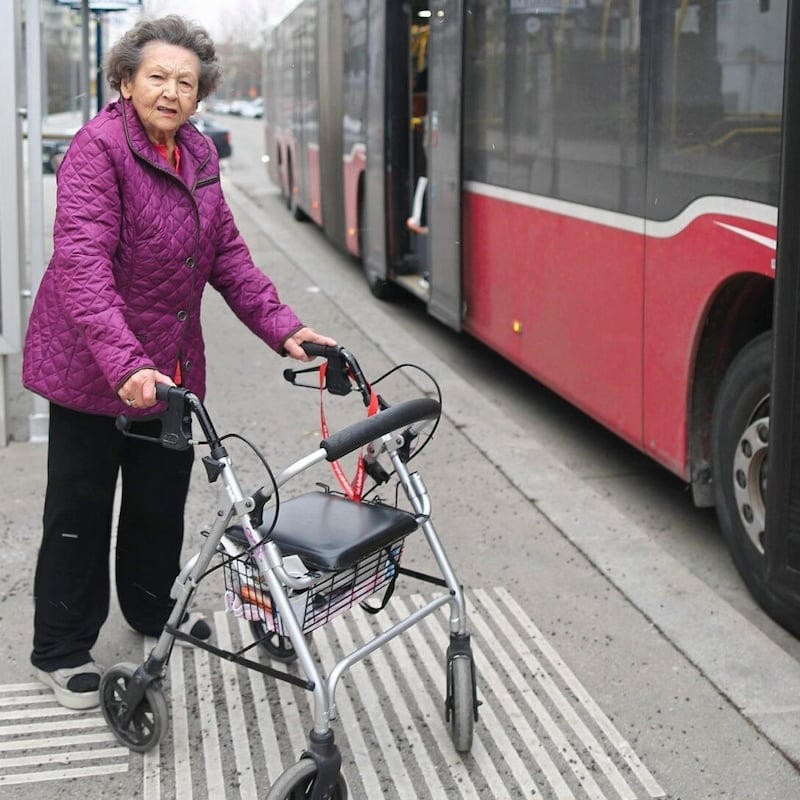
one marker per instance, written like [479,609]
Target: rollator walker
[292,571]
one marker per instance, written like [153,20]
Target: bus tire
[739,456]
[379,287]
[287,195]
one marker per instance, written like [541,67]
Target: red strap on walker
[355,488]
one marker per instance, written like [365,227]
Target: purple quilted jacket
[134,246]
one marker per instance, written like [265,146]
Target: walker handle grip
[325,350]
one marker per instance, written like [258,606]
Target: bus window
[554,107]
[717,101]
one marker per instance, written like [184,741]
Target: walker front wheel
[461,702]
[142,729]
[297,783]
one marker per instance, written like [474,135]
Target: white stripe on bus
[702,206]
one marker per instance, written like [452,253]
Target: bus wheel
[739,441]
[287,195]
[380,287]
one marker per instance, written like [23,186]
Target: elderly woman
[141,227]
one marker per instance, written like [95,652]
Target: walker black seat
[331,533]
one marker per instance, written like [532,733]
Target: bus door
[373,213]
[331,113]
[305,122]
[445,61]
[781,542]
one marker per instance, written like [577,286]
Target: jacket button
[189,262]
[187,365]
[182,315]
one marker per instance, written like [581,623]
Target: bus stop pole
[782,534]
[38,420]
[98,54]
[85,74]
[12,218]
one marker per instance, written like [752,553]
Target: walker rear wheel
[297,783]
[150,719]
[277,647]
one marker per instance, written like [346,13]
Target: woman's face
[164,89]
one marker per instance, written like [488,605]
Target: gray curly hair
[125,56]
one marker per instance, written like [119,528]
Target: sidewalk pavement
[510,515]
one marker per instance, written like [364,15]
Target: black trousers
[72,582]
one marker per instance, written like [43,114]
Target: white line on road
[209,729]
[238,726]
[560,702]
[583,696]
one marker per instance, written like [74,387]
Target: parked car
[215,106]
[219,134]
[55,145]
[53,153]
[252,108]
[236,106]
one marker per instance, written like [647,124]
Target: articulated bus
[601,202]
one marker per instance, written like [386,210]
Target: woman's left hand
[292,344]
[139,391]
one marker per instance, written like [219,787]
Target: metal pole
[38,420]
[85,80]
[12,220]
[98,35]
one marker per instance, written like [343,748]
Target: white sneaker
[75,687]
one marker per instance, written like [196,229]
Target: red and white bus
[601,202]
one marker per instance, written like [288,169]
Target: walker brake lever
[337,380]
[123,424]
[176,421]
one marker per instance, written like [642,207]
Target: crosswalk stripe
[373,710]
[64,757]
[151,778]
[434,664]
[540,712]
[180,728]
[540,732]
[266,724]
[25,700]
[560,702]
[43,775]
[238,727]
[209,728]
[54,741]
[583,696]
[391,689]
[345,709]
[89,721]
[498,731]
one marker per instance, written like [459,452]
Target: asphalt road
[618,655]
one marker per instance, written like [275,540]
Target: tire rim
[750,478]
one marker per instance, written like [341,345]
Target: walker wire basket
[247,595]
